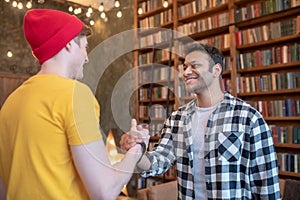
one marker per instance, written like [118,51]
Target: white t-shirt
[199,122]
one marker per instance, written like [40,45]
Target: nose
[86,60]
[187,71]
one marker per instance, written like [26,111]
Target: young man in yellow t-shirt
[51,146]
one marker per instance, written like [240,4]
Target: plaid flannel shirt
[240,159]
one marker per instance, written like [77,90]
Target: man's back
[37,126]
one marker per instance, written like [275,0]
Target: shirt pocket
[229,146]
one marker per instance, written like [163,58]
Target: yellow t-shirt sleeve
[85,117]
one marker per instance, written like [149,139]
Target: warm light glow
[90,10]
[92,22]
[111,149]
[7,1]
[14,4]
[117,4]
[103,15]
[88,14]
[20,5]
[70,9]
[101,7]
[119,14]
[9,54]
[79,10]
[165,4]
[29,5]
[140,11]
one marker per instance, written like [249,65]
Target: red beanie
[48,31]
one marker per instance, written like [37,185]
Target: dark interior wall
[12,38]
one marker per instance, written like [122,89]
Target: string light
[70,9]
[101,7]
[119,14]
[90,10]
[92,22]
[14,4]
[140,11]
[20,5]
[7,1]
[165,4]
[103,15]
[117,3]
[29,4]
[9,54]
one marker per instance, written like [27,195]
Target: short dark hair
[214,53]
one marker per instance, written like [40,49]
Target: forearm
[144,163]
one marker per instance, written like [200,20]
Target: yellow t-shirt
[38,123]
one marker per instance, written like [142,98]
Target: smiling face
[197,72]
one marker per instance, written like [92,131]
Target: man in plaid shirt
[222,147]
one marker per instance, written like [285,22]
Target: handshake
[138,134]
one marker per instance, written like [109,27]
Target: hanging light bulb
[103,15]
[88,14]
[117,3]
[165,4]
[119,14]
[140,11]
[101,7]
[20,5]
[70,9]
[29,4]
[92,22]
[9,54]
[14,4]
[7,1]
[79,10]
[90,9]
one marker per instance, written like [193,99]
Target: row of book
[268,82]
[275,55]
[155,38]
[160,72]
[285,134]
[259,9]
[269,31]
[278,108]
[160,55]
[197,6]
[205,24]
[288,162]
[157,20]
[155,93]
[150,5]
[154,111]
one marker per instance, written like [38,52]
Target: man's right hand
[137,134]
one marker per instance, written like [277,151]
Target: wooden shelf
[155,11]
[277,92]
[233,74]
[289,175]
[156,101]
[270,68]
[272,42]
[268,18]
[204,13]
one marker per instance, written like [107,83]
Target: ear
[217,70]
[68,46]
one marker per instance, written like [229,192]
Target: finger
[133,124]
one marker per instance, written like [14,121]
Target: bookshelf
[260,42]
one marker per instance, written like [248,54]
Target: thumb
[133,125]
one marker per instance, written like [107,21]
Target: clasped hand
[137,134]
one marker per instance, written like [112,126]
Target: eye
[195,66]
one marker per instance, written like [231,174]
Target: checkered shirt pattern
[240,159]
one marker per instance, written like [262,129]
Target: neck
[53,67]
[209,98]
